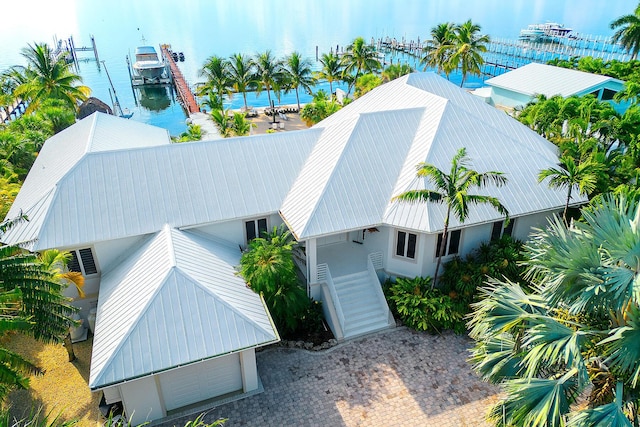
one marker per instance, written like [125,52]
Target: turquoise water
[203,28]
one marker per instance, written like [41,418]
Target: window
[500,230]
[82,261]
[406,244]
[608,94]
[453,243]
[255,228]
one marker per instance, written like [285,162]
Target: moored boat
[148,65]
[546,30]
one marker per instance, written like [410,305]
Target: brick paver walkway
[395,378]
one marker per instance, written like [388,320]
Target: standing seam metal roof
[176,300]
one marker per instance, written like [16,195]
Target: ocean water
[201,28]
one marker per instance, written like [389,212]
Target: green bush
[500,258]
[422,308]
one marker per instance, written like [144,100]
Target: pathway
[394,378]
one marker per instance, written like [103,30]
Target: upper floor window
[498,230]
[453,243]
[406,244]
[254,228]
[82,261]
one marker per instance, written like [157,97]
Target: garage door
[202,381]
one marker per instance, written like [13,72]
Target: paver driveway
[394,378]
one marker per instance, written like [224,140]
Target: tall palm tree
[574,337]
[56,262]
[269,71]
[241,75]
[216,71]
[437,51]
[299,73]
[359,58]
[581,176]
[452,190]
[46,79]
[331,70]
[468,48]
[628,33]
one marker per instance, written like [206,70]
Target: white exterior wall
[399,266]
[234,231]
[249,370]
[141,400]
[524,225]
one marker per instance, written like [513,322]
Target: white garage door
[202,381]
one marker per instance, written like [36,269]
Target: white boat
[148,65]
[546,30]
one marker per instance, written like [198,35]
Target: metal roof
[101,195]
[369,151]
[176,300]
[548,80]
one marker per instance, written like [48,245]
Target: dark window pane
[496,230]
[454,242]
[250,227]
[608,94]
[400,243]
[262,226]
[87,261]
[74,264]
[509,228]
[439,245]
[411,246]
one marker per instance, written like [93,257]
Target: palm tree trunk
[566,207]
[331,87]
[269,94]
[68,345]
[443,247]
[244,96]
[298,99]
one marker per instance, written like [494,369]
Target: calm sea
[201,28]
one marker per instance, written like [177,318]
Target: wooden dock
[185,95]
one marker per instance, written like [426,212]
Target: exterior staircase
[363,308]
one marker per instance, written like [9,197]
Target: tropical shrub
[269,270]
[567,352]
[319,109]
[461,277]
[366,83]
[422,308]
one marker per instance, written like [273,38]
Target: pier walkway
[187,99]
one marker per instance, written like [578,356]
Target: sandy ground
[64,386]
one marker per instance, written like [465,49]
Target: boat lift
[117,110]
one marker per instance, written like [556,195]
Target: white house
[156,228]
[518,87]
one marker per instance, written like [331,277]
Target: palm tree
[216,71]
[299,73]
[628,33]
[240,125]
[452,190]
[394,71]
[241,75]
[574,337]
[581,176]
[467,50]
[438,49]
[56,262]
[331,70]
[359,58]
[269,71]
[46,79]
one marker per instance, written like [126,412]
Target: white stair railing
[374,262]
[324,276]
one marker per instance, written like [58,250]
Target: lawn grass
[64,386]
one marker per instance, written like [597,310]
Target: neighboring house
[518,87]
[156,228]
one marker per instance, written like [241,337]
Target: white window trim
[447,255]
[255,224]
[406,245]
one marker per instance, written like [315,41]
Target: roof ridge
[92,130]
